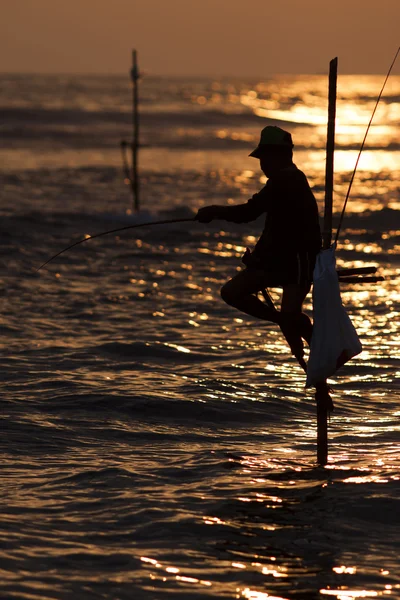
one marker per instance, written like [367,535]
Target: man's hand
[207,214]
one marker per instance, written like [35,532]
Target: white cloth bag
[334,340]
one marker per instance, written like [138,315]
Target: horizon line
[147,74]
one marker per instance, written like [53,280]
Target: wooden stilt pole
[330,150]
[322,413]
[135,132]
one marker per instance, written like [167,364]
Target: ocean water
[156,443]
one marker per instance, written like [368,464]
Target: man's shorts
[279,270]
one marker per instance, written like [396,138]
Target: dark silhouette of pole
[330,150]
[322,412]
[135,132]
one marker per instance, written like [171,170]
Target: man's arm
[240,213]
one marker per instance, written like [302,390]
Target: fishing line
[96,235]
[170,221]
[362,146]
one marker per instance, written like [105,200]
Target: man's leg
[293,297]
[291,307]
[296,325]
[240,292]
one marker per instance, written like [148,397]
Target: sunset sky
[198,37]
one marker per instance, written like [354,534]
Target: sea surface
[155,443]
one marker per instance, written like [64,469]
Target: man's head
[274,150]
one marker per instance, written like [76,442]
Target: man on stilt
[285,253]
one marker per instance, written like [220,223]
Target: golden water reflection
[372,161]
[250,594]
[342,569]
[346,594]
[306,102]
[172,571]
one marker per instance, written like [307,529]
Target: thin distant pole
[322,413]
[135,131]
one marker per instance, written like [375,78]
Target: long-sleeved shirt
[292,221]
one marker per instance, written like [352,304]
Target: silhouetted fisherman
[285,254]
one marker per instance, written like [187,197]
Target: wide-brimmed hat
[272,136]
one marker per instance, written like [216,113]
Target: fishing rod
[362,147]
[96,235]
[170,221]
